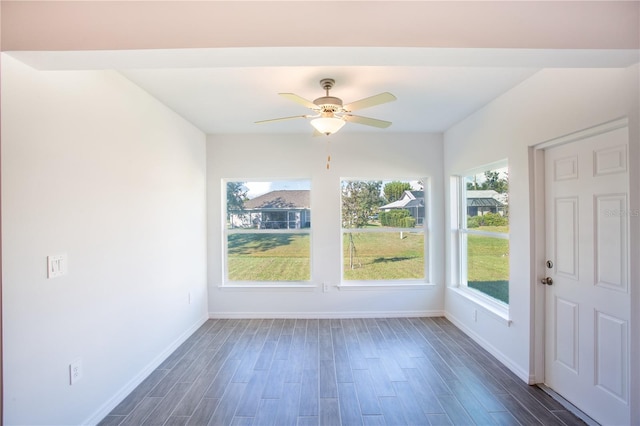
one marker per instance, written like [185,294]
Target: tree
[236,196]
[492,180]
[495,182]
[360,201]
[393,190]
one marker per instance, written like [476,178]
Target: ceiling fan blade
[370,101]
[300,100]
[367,121]
[282,119]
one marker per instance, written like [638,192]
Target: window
[383,230]
[484,232]
[268,231]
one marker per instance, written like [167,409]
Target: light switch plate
[56,265]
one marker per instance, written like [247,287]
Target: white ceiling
[227,90]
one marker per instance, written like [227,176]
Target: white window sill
[496,310]
[386,285]
[272,286]
[356,285]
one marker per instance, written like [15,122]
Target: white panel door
[587,305]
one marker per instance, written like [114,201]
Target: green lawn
[384,256]
[488,263]
[268,257]
[378,256]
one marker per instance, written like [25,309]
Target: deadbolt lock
[549,264]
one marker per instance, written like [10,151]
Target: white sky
[256,188]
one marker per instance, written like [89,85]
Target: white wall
[94,167]
[373,155]
[552,103]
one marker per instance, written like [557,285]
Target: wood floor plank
[139,393]
[517,410]
[283,346]
[250,400]
[329,411]
[242,421]
[176,421]
[227,406]
[275,330]
[373,420]
[112,420]
[308,421]
[454,410]
[505,418]
[166,406]
[350,413]
[169,381]
[328,381]
[431,376]
[439,420]
[392,410]
[266,415]
[250,357]
[478,389]
[194,395]
[312,330]
[275,380]
[568,418]
[349,407]
[266,355]
[367,398]
[411,407]
[295,365]
[288,326]
[381,382]
[325,346]
[391,365]
[287,414]
[334,372]
[376,336]
[423,393]
[309,393]
[471,404]
[222,380]
[203,412]
[299,335]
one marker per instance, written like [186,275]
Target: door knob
[546,281]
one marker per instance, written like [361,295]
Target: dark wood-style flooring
[388,371]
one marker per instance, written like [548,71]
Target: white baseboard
[522,374]
[119,396]
[323,315]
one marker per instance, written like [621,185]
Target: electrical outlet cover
[75,371]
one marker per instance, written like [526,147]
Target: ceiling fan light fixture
[327,125]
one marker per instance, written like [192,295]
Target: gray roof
[408,199]
[281,199]
[483,198]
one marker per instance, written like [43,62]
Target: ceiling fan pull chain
[328,153]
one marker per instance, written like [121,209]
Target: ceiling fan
[330,114]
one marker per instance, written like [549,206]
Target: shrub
[488,219]
[394,218]
[408,222]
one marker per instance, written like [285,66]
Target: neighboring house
[480,202]
[410,200]
[282,209]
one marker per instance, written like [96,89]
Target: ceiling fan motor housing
[329,104]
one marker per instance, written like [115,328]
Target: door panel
[587,306]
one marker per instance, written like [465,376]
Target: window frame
[226,231]
[460,249]
[424,228]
